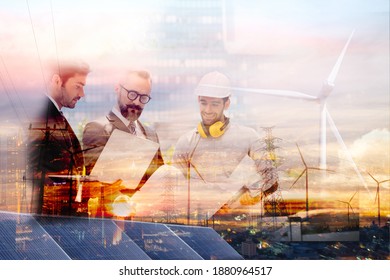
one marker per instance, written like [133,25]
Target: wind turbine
[377,195]
[321,99]
[349,206]
[305,171]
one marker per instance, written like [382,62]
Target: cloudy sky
[297,43]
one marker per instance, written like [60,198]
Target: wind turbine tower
[377,196]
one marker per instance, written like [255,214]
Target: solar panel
[91,239]
[22,238]
[159,242]
[206,242]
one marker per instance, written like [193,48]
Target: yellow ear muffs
[202,130]
[215,130]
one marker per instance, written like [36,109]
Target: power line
[55,36]
[36,45]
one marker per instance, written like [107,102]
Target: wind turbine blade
[336,67]
[303,160]
[298,178]
[277,92]
[373,177]
[272,92]
[342,201]
[384,181]
[348,154]
[353,196]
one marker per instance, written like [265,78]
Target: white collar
[54,102]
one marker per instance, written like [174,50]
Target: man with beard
[133,93]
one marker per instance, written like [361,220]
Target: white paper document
[124,157]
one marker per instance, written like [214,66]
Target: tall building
[12,169]
[248,248]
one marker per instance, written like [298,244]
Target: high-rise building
[12,169]
[248,248]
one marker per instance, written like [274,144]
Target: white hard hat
[213,84]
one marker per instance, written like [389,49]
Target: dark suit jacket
[53,149]
[97,133]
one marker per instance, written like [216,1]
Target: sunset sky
[296,42]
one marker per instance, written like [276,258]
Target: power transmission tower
[170,183]
[272,203]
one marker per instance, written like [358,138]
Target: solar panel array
[33,237]
[23,238]
[206,242]
[84,239]
[159,242]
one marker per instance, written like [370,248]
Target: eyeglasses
[133,95]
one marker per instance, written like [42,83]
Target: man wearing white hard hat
[215,148]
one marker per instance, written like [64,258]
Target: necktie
[131,127]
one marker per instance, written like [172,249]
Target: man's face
[73,90]
[211,109]
[132,109]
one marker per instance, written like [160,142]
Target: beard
[131,111]
[66,101]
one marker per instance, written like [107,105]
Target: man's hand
[104,192]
